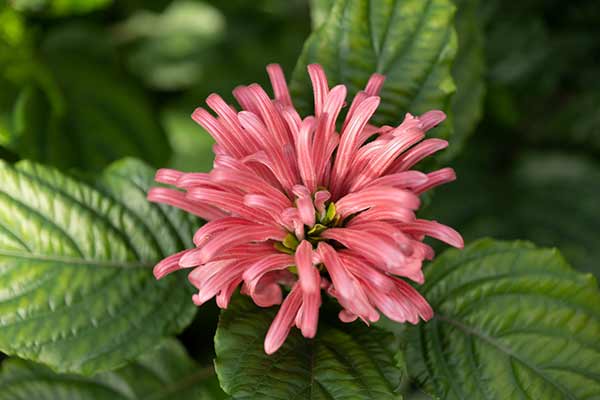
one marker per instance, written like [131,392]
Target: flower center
[312,234]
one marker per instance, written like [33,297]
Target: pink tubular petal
[358,98]
[178,199]
[320,86]
[324,144]
[436,178]
[266,292]
[381,251]
[306,210]
[304,152]
[199,276]
[266,204]
[229,121]
[320,198]
[284,320]
[247,252]
[239,176]
[400,180]
[270,263]
[167,176]
[431,119]
[192,179]
[346,316]
[379,214]
[244,96]
[233,203]
[435,230]
[168,265]
[308,274]
[235,237]
[384,198]
[225,294]
[280,88]
[347,290]
[374,84]
[223,138]
[417,153]
[339,276]
[326,139]
[219,281]
[269,114]
[349,142]
[383,158]
[360,268]
[206,232]
[309,314]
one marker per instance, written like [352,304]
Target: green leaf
[163,373]
[468,73]
[59,7]
[340,363]
[512,321]
[412,42]
[77,290]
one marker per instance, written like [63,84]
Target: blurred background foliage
[86,82]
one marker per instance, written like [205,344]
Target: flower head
[311,205]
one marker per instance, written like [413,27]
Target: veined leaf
[353,362]
[76,286]
[512,321]
[412,42]
[163,373]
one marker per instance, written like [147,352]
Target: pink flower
[308,204]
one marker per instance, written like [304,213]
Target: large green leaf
[512,321]
[412,42]
[468,72]
[77,290]
[163,373]
[348,362]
